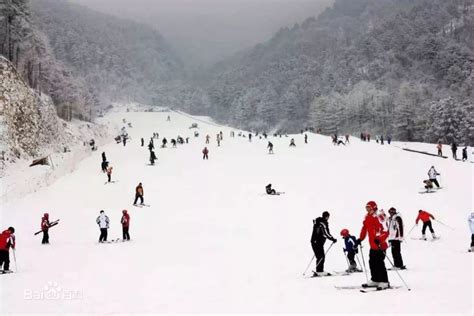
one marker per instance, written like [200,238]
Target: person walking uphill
[318,238]
[7,241]
[139,194]
[125,225]
[373,228]
[426,218]
[205,153]
[395,237]
[103,222]
[45,224]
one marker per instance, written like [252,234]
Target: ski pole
[444,224]
[320,260]
[393,267]
[14,259]
[345,256]
[411,229]
[363,261]
[312,258]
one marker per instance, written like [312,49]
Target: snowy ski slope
[212,241]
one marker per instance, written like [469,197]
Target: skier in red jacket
[125,225]
[7,241]
[45,228]
[373,227]
[425,217]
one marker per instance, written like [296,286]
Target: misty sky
[205,31]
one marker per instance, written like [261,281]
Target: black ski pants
[350,256]
[435,182]
[109,177]
[103,234]
[396,253]
[5,259]
[318,249]
[205,156]
[472,240]
[377,266]
[427,224]
[45,237]
[126,235]
[138,196]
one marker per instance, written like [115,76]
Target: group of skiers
[103,222]
[454,150]
[382,232]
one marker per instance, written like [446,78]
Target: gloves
[377,242]
[334,240]
[358,242]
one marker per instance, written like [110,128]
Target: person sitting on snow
[269,190]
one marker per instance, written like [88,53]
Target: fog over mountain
[206,31]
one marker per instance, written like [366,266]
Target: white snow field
[212,241]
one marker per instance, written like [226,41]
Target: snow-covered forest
[385,66]
[395,67]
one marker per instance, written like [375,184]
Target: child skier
[292,143]
[350,243]
[425,217]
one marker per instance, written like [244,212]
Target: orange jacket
[424,216]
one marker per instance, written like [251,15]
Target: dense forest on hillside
[401,67]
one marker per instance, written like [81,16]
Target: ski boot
[371,284]
[423,237]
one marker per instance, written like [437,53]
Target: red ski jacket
[125,220]
[44,223]
[424,216]
[374,229]
[7,240]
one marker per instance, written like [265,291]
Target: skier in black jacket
[318,238]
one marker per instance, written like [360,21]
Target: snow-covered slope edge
[30,128]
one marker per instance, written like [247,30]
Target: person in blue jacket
[350,243]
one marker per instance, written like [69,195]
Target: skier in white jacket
[471,225]
[432,173]
[103,222]
[395,237]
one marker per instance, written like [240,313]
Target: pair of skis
[364,288]
[51,224]
[141,205]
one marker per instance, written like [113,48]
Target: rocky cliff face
[28,122]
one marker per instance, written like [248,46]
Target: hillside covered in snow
[211,240]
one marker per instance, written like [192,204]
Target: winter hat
[372,205]
[392,210]
[101,211]
[344,232]
[325,214]
[11,229]
[124,211]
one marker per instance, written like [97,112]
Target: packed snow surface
[213,241]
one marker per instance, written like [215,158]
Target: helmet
[325,214]
[11,229]
[124,211]
[392,210]
[372,205]
[46,215]
[344,232]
